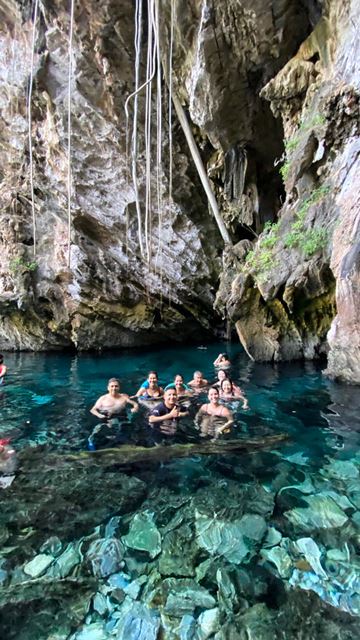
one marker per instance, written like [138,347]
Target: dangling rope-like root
[31,81]
[69,176]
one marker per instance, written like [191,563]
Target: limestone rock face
[271,90]
[98,292]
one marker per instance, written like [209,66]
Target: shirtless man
[167,414]
[198,381]
[112,403]
[108,407]
[208,413]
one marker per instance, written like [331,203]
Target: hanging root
[69,180]
[31,82]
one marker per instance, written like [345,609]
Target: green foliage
[309,241]
[318,120]
[284,170]
[18,265]
[291,145]
[261,259]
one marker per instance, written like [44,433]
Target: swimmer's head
[198,376]
[170,396]
[179,379]
[226,386]
[113,384]
[213,394]
[152,377]
[221,375]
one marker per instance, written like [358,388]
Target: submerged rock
[280,558]
[184,596]
[340,469]
[137,622]
[143,534]
[207,624]
[220,537]
[105,556]
[38,565]
[94,631]
[312,553]
[322,513]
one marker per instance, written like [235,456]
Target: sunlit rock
[38,565]
[143,534]
[106,556]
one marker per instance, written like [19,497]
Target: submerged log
[130,454]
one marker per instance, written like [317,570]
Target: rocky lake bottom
[253,544]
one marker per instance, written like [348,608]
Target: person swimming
[198,382]
[152,391]
[221,375]
[167,414]
[222,361]
[207,418]
[3,369]
[230,391]
[109,407]
[179,385]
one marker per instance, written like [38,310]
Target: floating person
[167,414]
[3,369]
[222,361]
[230,391]
[152,391]
[179,385]
[198,382]
[214,418]
[109,408]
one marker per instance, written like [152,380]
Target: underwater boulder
[106,556]
[184,595]
[280,559]
[322,513]
[38,565]
[178,555]
[143,534]
[207,624]
[220,537]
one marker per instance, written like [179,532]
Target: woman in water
[153,391]
[221,375]
[230,391]
[214,418]
[179,385]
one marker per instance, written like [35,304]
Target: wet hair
[222,371]
[114,380]
[197,373]
[153,373]
[226,380]
[179,375]
[213,389]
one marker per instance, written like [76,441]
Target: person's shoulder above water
[3,369]
[222,361]
[198,380]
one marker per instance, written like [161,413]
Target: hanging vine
[69,172]
[31,162]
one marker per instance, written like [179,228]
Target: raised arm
[135,406]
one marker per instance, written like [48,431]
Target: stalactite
[31,82]
[69,174]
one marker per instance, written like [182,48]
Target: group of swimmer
[169,407]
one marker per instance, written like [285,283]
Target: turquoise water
[58,508]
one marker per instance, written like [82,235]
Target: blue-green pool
[224,546]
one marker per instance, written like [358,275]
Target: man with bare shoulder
[198,382]
[113,402]
[109,408]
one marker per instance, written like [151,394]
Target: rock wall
[271,92]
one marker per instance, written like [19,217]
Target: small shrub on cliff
[261,259]
[309,241]
[18,265]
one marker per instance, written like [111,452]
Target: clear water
[45,406]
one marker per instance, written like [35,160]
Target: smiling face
[221,375]
[198,377]
[178,381]
[153,380]
[170,398]
[226,387]
[213,396]
[113,387]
